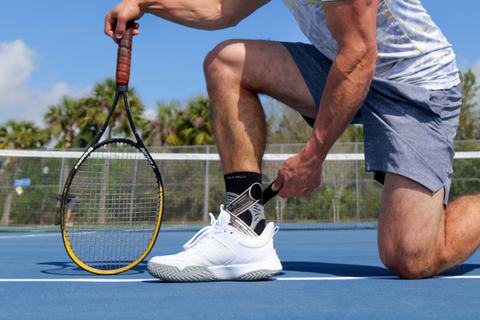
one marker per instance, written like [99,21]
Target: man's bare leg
[417,237]
[236,72]
[69,215]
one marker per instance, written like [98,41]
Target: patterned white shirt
[411,48]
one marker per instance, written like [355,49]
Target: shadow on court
[334,269]
[352,270]
[461,270]
[71,269]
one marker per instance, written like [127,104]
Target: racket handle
[124,54]
[268,193]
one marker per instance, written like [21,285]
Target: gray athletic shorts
[408,130]
[73,202]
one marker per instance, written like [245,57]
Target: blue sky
[53,48]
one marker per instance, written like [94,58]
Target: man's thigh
[264,67]
[411,224]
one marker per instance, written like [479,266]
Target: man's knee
[409,260]
[226,59]
[411,228]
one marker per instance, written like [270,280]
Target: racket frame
[124,48]
[64,206]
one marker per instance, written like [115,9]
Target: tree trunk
[11,190]
[103,192]
[103,188]
[68,145]
[68,137]
[279,206]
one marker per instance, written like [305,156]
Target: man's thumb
[277,185]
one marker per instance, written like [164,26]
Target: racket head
[118,208]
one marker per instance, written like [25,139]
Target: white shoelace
[206,232]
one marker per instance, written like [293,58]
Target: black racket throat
[121,91]
[122,87]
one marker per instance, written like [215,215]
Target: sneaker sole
[202,274]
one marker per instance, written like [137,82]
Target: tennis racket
[117,217]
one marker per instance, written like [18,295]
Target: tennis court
[329,255]
[327,274]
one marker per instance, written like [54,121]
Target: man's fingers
[289,191]
[120,27]
[115,31]
[277,185]
[135,29]
[110,24]
[116,20]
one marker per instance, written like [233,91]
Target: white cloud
[476,69]
[53,96]
[150,114]
[476,72]
[19,100]
[16,65]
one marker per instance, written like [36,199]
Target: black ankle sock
[236,183]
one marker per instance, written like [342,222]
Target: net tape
[199,156]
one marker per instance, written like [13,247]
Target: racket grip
[124,54]
[268,193]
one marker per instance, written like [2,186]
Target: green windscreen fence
[348,197]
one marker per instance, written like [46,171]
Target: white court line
[279,279]
[367,278]
[335,278]
[31,236]
[77,280]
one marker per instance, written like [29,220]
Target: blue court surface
[327,274]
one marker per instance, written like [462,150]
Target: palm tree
[195,124]
[61,120]
[18,135]
[21,135]
[161,131]
[469,126]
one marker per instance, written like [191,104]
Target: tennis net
[348,198]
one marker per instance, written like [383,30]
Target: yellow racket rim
[86,267]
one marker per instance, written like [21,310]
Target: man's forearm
[353,25]
[343,95]
[205,14]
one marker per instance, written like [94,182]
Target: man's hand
[117,18]
[298,176]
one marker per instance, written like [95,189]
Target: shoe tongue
[223,218]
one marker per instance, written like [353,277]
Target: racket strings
[117,213]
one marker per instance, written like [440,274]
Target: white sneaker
[220,252]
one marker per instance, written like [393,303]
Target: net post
[205,208]
[281,199]
[356,184]
[132,193]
